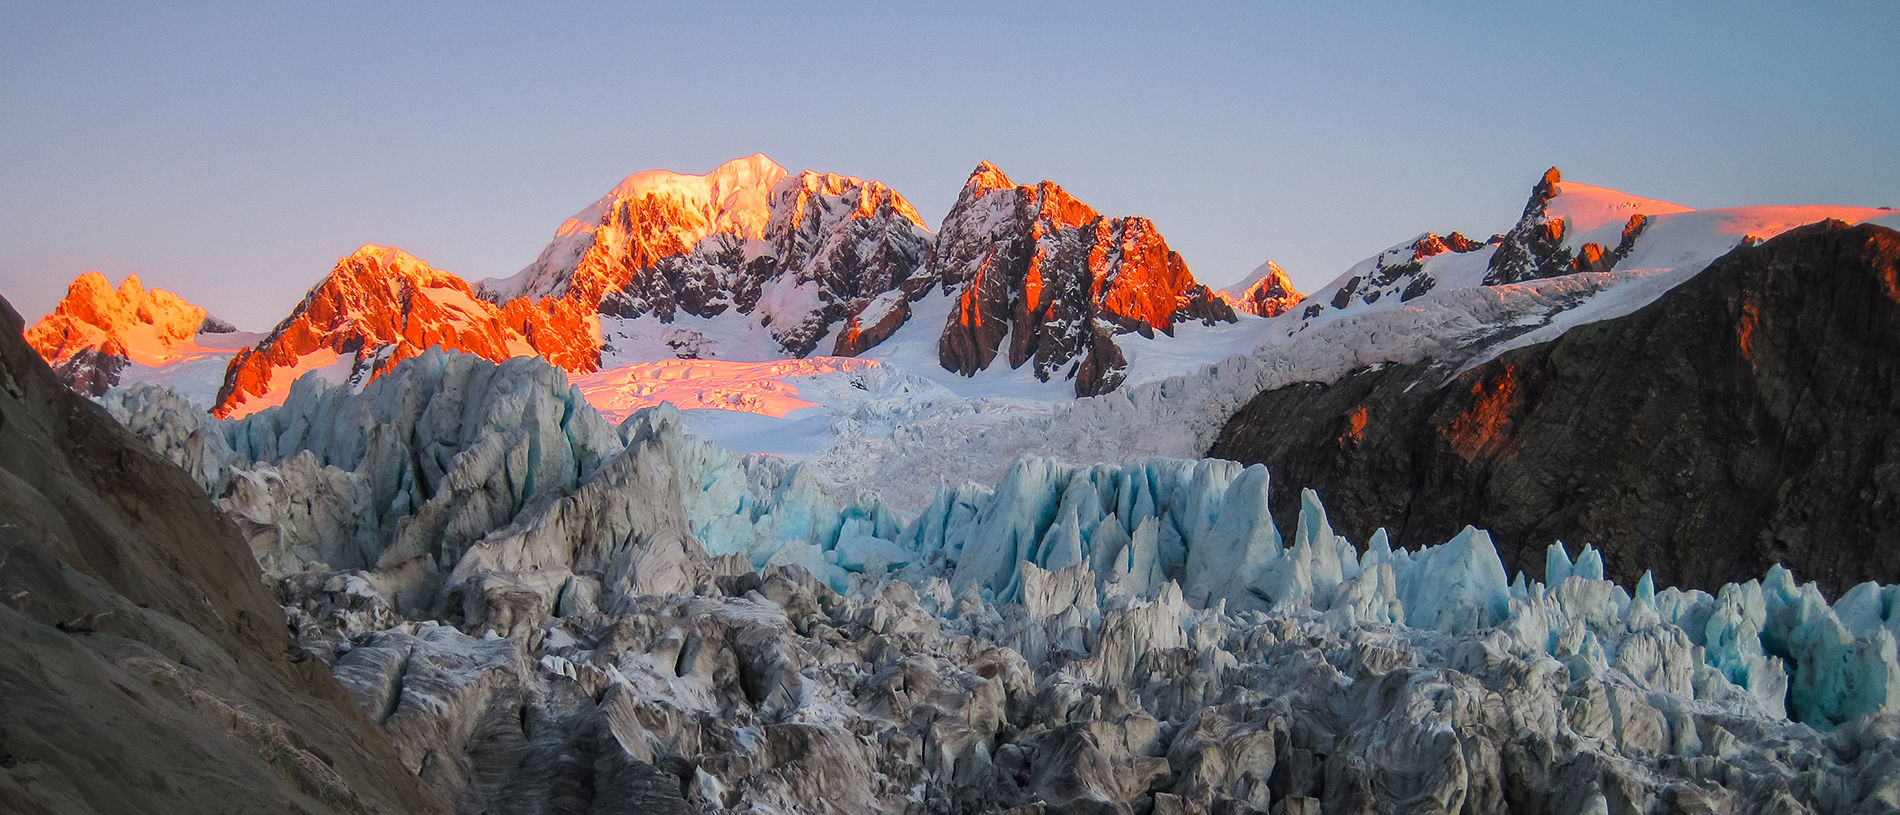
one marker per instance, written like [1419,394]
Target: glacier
[501,578]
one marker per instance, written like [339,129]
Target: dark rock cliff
[1059,280]
[144,665]
[1748,417]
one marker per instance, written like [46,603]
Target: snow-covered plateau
[718,576]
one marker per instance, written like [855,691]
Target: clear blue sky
[232,152]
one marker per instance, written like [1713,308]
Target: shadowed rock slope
[1749,417]
[143,664]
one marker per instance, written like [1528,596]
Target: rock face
[1741,420]
[143,666]
[1041,268]
[94,332]
[1268,292]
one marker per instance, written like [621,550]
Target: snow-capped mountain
[1267,292]
[834,269]
[98,338]
[746,262]
[1693,437]
[1567,228]
[646,217]
[379,306]
[752,264]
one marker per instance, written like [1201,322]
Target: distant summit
[647,216]
[1267,292]
[96,331]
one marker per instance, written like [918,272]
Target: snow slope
[194,369]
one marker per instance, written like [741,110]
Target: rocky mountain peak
[1535,247]
[832,245]
[1544,242]
[987,177]
[96,331]
[1048,271]
[1541,194]
[645,217]
[842,196]
[378,306]
[1268,292]
[94,315]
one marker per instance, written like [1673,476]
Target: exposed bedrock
[1749,417]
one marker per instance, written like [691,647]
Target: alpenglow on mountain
[751,494]
[749,263]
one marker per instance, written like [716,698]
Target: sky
[232,152]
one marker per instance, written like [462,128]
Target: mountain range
[1053,527]
[746,262]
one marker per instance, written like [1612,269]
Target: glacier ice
[1118,633]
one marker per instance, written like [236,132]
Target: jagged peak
[788,196]
[126,321]
[131,288]
[987,177]
[1264,273]
[1050,199]
[1585,207]
[1267,292]
[91,298]
[89,286]
[389,264]
[1541,193]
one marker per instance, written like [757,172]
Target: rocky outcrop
[1535,247]
[1740,420]
[1398,272]
[1268,292]
[143,665]
[96,331]
[1038,266]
